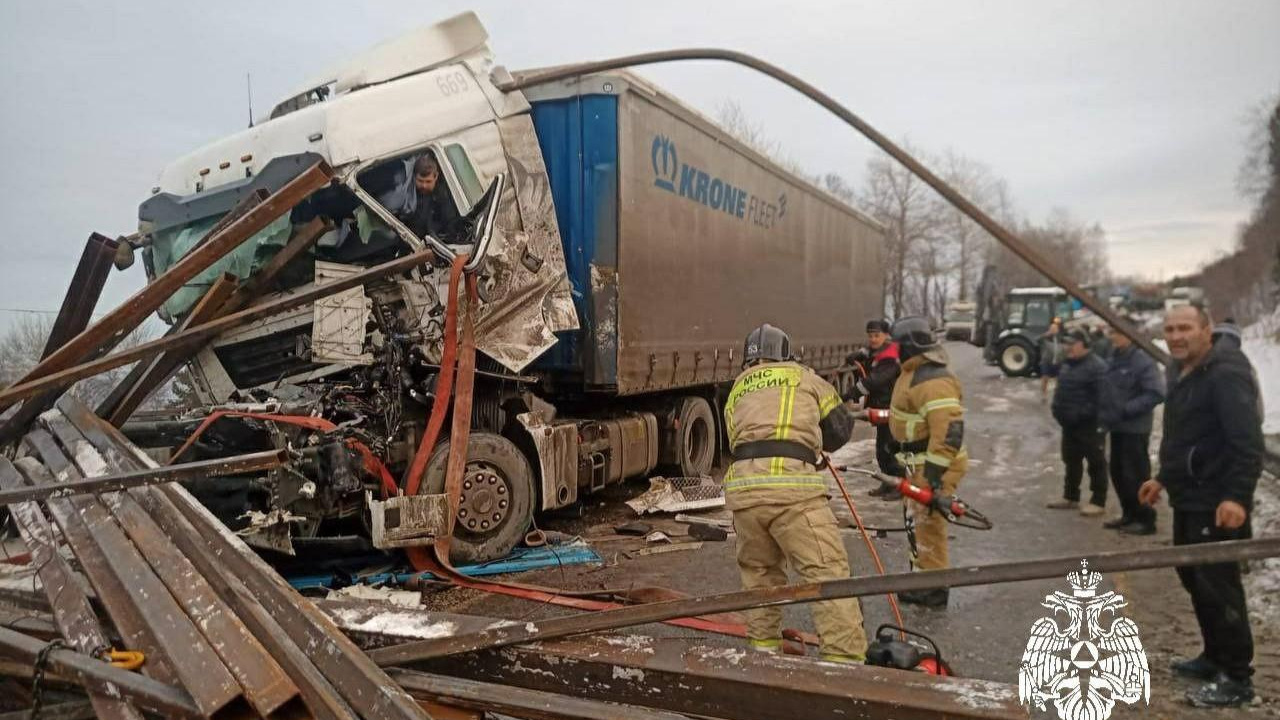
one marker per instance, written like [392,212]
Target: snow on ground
[1262,345]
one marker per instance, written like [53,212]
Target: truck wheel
[695,437]
[1014,358]
[496,505]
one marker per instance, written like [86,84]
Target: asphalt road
[1014,470]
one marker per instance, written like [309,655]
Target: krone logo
[665,162]
[1074,663]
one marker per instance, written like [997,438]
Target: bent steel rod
[212,328]
[199,469]
[998,231]
[1203,554]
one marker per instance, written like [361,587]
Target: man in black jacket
[1135,386]
[1210,460]
[880,365]
[1076,401]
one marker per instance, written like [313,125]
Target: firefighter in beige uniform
[780,416]
[927,421]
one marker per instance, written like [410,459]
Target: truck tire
[695,437]
[1015,358]
[496,506]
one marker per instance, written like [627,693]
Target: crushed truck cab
[622,246]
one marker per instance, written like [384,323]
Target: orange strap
[372,464]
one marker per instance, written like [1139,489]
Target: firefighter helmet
[914,336]
[766,343]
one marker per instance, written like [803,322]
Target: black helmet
[914,336]
[766,343]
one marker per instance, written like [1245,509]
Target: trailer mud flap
[407,520]
[523,282]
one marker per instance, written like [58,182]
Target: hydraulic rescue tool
[955,510]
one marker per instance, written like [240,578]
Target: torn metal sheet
[524,275]
[557,447]
[386,596]
[270,530]
[407,520]
[678,495]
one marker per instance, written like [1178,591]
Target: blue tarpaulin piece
[520,560]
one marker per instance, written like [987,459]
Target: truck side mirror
[482,230]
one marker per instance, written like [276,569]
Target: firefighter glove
[933,475]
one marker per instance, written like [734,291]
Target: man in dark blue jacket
[1210,460]
[1076,402]
[1135,386]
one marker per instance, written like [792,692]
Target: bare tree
[909,210]
[979,184]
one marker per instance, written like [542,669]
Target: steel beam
[72,612]
[266,686]
[667,674]
[95,675]
[146,376]
[217,467]
[195,665]
[77,308]
[63,378]
[520,702]
[121,321]
[361,683]
[1207,553]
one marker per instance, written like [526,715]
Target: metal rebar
[1207,553]
[961,203]
[251,462]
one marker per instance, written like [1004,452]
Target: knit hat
[878,325]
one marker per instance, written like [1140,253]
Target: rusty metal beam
[146,377]
[121,321]
[517,701]
[265,685]
[361,683]
[668,674]
[251,462]
[197,668]
[82,296]
[73,710]
[100,677]
[1019,247]
[320,696]
[260,282]
[125,615]
[72,612]
[1206,553]
[70,375]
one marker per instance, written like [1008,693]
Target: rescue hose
[875,556]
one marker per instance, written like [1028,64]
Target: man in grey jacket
[1134,387]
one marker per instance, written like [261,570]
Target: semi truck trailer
[634,244]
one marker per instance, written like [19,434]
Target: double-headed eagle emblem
[1074,663]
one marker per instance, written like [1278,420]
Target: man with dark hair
[1076,401]
[1210,460]
[432,210]
[879,367]
[1135,386]
[780,417]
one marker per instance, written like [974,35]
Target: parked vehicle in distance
[958,323]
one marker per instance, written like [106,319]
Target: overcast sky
[1126,113]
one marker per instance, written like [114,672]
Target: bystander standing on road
[1050,356]
[1134,387]
[879,365]
[1076,402]
[1210,459]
